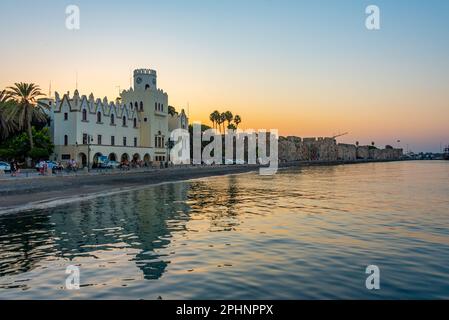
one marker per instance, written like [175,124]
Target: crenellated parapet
[145,72]
[92,105]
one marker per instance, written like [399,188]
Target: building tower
[145,79]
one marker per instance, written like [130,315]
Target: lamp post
[88,152]
[169,144]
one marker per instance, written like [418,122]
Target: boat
[446,153]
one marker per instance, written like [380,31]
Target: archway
[112,157]
[96,159]
[136,157]
[125,157]
[147,158]
[82,160]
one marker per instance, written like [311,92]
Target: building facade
[135,127]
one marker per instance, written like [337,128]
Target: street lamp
[169,144]
[88,152]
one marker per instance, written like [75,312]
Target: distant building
[135,127]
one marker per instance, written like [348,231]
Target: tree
[27,107]
[237,120]
[171,111]
[212,119]
[222,120]
[18,146]
[232,126]
[216,116]
[6,126]
[229,117]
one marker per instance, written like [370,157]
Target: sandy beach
[23,194]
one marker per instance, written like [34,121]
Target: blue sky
[309,68]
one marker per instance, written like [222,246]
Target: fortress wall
[347,152]
[326,149]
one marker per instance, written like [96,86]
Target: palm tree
[237,120]
[223,119]
[216,114]
[219,122]
[229,117]
[171,110]
[212,119]
[27,107]
[6,126]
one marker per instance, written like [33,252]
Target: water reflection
[306,233]
[144,219]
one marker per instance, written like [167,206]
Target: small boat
[446,153]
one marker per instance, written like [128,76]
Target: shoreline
[27,194]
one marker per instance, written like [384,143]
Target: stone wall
[347,152]
[326,149]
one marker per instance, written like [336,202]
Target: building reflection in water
[144,220]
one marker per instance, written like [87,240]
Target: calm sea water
[302,234]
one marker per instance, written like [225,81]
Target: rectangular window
[155,106]
[124,141]
[65,157]
[135,142]
[112,141]
[84,138]
[66,116]
[99,139]
[155,142]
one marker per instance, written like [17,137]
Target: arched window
[84,115]
[141,106]
[135,105]
[147,87]
[155,106]
[98,117]
[66,140]
[131,105]
[162,107]
[112,119]
[124,121]
[135,123]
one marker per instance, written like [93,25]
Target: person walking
[13,166]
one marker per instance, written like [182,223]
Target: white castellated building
[135,127]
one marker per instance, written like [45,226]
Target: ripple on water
[306,233]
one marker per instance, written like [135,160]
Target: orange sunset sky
[305,68]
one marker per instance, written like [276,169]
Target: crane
[340,135]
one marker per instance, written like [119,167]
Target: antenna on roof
[49,90]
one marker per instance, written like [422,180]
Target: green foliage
[39,153]
[18,146]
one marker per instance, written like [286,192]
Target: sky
[306,68]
